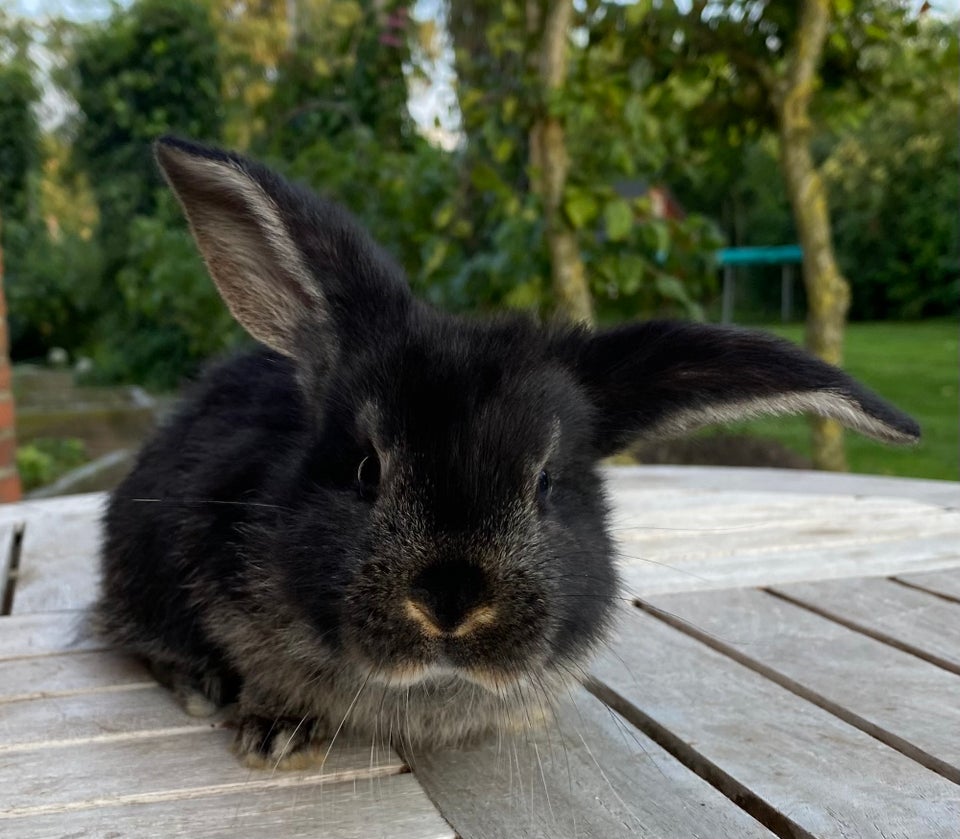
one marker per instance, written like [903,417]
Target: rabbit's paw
[279,742]
[200,695]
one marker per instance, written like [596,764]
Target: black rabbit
[389,515]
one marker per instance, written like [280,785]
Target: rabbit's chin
[500,684]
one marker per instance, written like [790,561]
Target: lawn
[915,366]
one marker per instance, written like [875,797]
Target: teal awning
[773,255]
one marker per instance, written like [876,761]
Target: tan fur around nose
[475,619]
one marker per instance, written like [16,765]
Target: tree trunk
[828,294]
[9,478]
[550,163]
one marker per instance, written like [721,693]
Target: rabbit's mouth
[500,682]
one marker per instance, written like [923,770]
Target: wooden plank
[46,633]
[25,511]
[730,479]
[907,703]
[59,556]
[773,521]
[944,583]
[799,768]
[682,540]
[914,621]
[61,675]
[391,807]
[646,572]
[58,720]
[195,763]
[688,507]
[588,774]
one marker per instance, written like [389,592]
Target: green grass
[915,366]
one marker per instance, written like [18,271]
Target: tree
[550,24]
[9,478]
[771,63]
[342,70]
[19,144]
[149,69]
[556,115]
[894,212]
[828,292]
[19,132]
[302,67]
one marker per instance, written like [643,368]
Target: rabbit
[386,518]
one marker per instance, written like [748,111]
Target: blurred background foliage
[669,130]
[99,261]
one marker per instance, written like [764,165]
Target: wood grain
[24,511]
[390,807]
[46,633]
[647,572]
[802,770]
[589,774]
[802,481]
[914,621]
[60,675]
[771,521]
[698,540]
[196,763]
[106,715]
[892,695]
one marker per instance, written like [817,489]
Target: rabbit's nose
[450,598]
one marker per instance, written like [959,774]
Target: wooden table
[787,664]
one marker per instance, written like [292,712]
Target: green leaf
[503,149]
[444,215]
[844,8]
[437,254]
[618,219]
[580,207]
[523,296]
[636,12]
[485,178]
[672,289]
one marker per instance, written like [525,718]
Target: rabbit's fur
[389,518]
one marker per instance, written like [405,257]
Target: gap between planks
[888,738]
[926,588]
[739,794]
[784,782]
[10,565]
[863,629]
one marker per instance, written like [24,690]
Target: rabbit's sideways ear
[281,258]
[664,378]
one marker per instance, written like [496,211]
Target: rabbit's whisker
[350,708]
[174,502]
[283,749]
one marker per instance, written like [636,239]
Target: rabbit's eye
[543,485]
[368,477]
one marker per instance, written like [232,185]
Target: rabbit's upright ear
[664,378]
[283,259]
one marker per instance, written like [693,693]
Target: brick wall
[9,479]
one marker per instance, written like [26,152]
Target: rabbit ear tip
[168,145]
[910,431]
[170,141]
